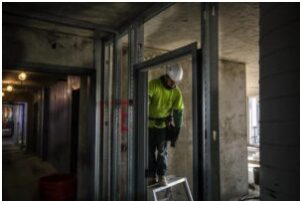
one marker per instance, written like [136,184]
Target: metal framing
[91,131]
[136,40]
[106,125]
[98,57]
[141,115]
[116,106]
[209,142]
[211,160]
[141,133]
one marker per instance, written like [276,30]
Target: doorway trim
[141,129]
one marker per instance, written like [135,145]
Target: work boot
[151,181]
[162,180]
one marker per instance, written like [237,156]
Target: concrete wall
[29,45]
[233,130]
[280,101]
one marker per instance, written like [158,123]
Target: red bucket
[58,187]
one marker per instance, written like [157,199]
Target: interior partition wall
[205,116]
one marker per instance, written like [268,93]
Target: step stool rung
[173,182]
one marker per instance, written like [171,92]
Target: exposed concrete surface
[21,173]
[238,38]
[179,25]
[110,14]
[233,130]
[21,44]
[175,27]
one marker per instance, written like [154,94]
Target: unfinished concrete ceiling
[175,27]
[238,38]
[179,25]
[103,15]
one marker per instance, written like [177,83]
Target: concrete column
[233,130]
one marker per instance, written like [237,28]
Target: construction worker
[165,118]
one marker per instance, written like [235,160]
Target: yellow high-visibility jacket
[162,102]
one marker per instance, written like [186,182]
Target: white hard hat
[175,72]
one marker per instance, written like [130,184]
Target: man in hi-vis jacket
[165,118]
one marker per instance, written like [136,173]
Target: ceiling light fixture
[9,88]
[22,76]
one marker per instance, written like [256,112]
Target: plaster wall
[233,129]
[30,45]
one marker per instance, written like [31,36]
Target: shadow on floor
[21,173]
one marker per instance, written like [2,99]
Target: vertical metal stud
[115,142]
[210,101]
[98,65]
[106,157]
[136,40]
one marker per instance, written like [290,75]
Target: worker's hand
[171,124]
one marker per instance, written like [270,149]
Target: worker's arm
[178,108]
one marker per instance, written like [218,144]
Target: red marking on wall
[124,115]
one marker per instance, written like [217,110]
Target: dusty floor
[21,173]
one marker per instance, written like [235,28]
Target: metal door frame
[141,129]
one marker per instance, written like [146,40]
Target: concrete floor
[255,194]
[21,173]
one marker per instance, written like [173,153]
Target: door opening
[184,160]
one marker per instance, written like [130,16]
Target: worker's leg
[162,155]
[151,153]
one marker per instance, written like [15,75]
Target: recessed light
[22,76]
[9,88]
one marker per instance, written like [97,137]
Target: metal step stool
[171,182]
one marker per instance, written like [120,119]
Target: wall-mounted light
[22,76]
[9,88]
[3,94]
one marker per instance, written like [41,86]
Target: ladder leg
[188,191]
[154,196]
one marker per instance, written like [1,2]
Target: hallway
[21,173]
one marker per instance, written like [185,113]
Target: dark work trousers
[157,141]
